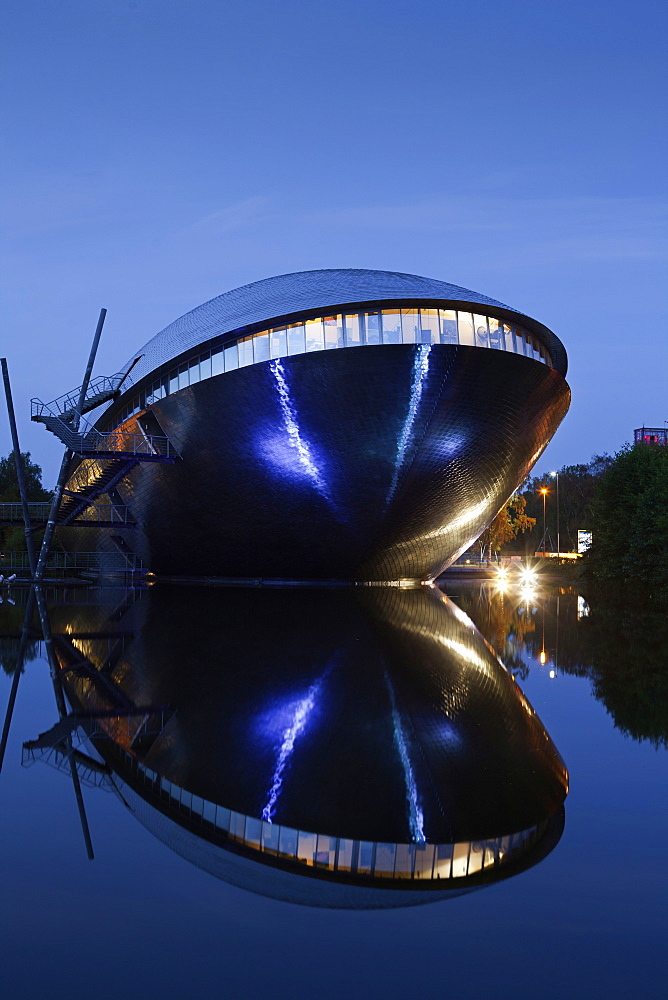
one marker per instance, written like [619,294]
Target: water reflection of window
[385,860]
[306,847]
[287,846]
[424,860]
[253,833]
[345,860]
[460,860]
[222,818]
[403,865]
[270,836]
[326,851]
[475,857]
[365,857]
[443,861]
[237,825]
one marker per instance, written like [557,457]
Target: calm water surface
[324,711]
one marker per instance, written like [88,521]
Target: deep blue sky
[160,152]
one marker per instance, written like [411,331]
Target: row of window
[362,857]
[399,325]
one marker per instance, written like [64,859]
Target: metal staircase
[100,390]
[89,442]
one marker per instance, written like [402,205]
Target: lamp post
[544,494]
[555,475]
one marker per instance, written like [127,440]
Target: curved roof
[257,305]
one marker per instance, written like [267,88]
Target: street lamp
[544,494]
[555,475]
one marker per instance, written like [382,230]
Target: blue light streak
[420,372]
[415,814]
[295,439]
[300,717]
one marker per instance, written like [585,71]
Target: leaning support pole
[18,462]
[65,464]
[30,545]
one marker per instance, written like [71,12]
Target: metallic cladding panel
[304,291]
[362,464]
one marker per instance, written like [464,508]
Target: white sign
[584,540]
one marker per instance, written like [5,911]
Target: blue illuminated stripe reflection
[415,814]
[300,717]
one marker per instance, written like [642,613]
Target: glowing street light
[544,493]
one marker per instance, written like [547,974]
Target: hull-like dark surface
[366,464]
[328,728]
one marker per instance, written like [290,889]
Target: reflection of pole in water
[62,713]
[556,644]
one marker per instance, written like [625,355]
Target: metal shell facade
[381,463]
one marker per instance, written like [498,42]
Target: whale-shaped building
[334,425]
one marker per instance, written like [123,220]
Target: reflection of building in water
[336,424]
[369,740]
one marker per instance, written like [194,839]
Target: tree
[12,538]
[9,484]
[577,489]
[507,525]
[630,520]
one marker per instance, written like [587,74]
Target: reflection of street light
[555,475]
[544,492]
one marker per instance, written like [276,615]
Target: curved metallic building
[362,748]
[301,458]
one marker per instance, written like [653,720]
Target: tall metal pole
[18,462]
[65,464]
[89,366]
[558,539]
[30,545]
